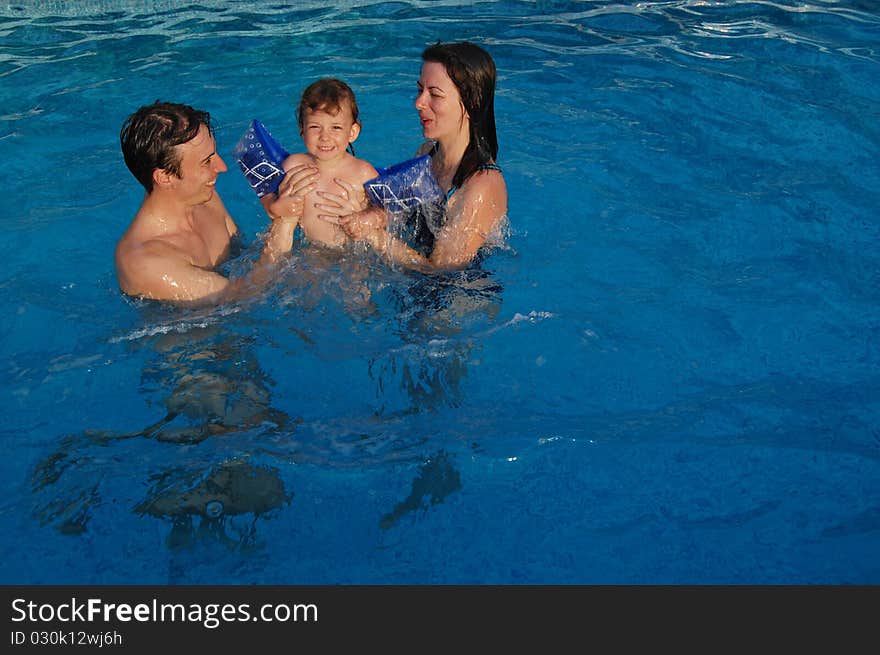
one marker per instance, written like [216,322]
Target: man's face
[199,167]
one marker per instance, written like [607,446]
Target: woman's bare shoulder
[488,184]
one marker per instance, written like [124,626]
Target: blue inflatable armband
[261,159]
[405,185]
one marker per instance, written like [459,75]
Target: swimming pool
[669,375]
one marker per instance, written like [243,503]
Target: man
[182,231]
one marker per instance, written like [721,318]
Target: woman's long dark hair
[473,72]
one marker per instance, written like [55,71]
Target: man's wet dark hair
[150,135]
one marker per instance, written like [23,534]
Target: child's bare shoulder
[363,170]
[298,158]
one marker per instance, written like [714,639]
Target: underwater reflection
[417,334]
[199,477]
[203,505]
[217,386]
[433,313]
[210,385]
[435,480]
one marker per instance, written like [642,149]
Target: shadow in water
[436,479]
[433,313]
[217,386]
[210,385]
[200,504]
[216,399]
[436,315]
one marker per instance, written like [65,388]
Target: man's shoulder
[147,238]
[137,253]
[135,260]
[143,267]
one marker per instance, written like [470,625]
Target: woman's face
[439,103]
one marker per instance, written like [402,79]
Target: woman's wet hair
[150,135]
[472,70]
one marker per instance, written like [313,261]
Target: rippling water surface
[668,375]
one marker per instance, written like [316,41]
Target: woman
[456,109]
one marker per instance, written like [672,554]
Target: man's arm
[295,166]
[158,270]
[286,210]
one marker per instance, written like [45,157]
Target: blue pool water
[668,375]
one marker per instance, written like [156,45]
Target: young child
[328,125]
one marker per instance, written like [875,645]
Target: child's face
[327,135]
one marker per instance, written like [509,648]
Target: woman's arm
[474,212]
